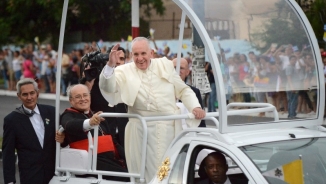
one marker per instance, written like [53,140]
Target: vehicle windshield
[277,161]
[265,53]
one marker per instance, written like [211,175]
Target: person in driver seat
[214,168]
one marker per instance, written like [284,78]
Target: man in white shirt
[30,130]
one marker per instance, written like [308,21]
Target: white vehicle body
[230,138]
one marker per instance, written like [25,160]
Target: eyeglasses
[79,97]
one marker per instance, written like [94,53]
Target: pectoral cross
[148,103]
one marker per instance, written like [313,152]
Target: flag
[227,50]
[291,173]
[151,32]
[295,48]
[37,40]
[217,37]
[100,43]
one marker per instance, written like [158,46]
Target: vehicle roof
[272,135]
[250,137]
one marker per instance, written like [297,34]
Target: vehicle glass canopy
[277,160]
[265,54]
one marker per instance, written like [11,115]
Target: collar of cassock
[87,113]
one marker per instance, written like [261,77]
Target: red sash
[105,144]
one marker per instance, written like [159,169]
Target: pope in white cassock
[149,87]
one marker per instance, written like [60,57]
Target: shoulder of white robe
[164,68]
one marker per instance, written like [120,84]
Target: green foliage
[317,17]
[283,29]
[22,20]
[315,12]
[279,31]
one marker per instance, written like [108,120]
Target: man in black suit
[79,119]
[184,72]
[30,130]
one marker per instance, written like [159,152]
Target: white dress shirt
[108,71]
[37,123]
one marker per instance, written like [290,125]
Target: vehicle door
[186,166]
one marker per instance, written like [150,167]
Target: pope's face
[142,54]
[80,98]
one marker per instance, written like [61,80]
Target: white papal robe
[160,85]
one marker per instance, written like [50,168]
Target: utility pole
[135,18]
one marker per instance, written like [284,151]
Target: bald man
[78,120]
[184,72]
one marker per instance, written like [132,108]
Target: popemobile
[264,50]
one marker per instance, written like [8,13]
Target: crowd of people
[41,64]
[247,76]
[40,61]
[283,76]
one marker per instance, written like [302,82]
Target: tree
[284,28]
[317,17]
[315,12]
[21,20]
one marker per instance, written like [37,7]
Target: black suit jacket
[198,95]
[36,164]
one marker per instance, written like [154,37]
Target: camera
[96,60]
